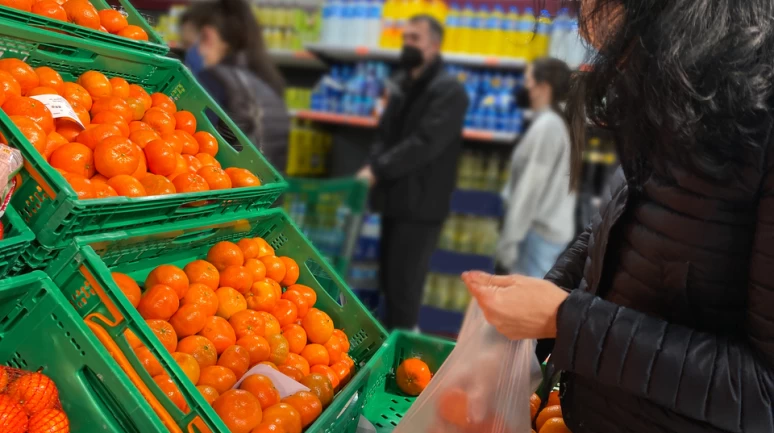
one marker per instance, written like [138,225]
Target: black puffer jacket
[675,333]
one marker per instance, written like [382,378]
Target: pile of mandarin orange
[82,13]
[221,316]
[134,144]
[550,419]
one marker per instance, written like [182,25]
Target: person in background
[662,308]
[239,74]
[189,38]
[413,167]
[540,208]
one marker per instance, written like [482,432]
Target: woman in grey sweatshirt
[540,208]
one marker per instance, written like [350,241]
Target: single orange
[82,187]
[165,333]
[413,376]
[42,91]
[137,107]
[96,83]
[158,302]
[185,121]
[114,104]
[202,349]
[207,160]
[161,157]
[285,416]
[127,186]
[343,339]
[193,164]
[334,348]
[173,139]
[136,91]
[342,371]
[189,144]
[142,137]
[50,9]
[247,322]
[318,326]
[291,272]
[203,297]
[158,119]
[291,372]
[32,132]
[230,302]
[239,410]
[328,372]
[116,155]
[157,185]
[208,144]
[308,406]
[279,348]
[275,268]
[129,287]
[203,272]
[22,72]
[113,118]
[160,100]
[285,311]
[257,347]
[220,378]
[321,386]
[189,365]
[296,337]
[262,297]
[220,332]
[242,178]
[10,86]
[272,326]
[189,182]
[553,399]
[171,276]
[73,158]
[256,268]
[188,320]
[236,277]
[169,388]
[83,13]
[48,421]
[148,361]
[96,134]
[113,21]
[262,388]
[209,393]
[298,362]
[215,177]
[75,94]
[236,358]
[225,254]
[316,354]
[24,5]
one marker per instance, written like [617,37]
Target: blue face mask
[193,59]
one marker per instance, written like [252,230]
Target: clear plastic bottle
[541,40]
[373,19]
[558,35]
[358,35]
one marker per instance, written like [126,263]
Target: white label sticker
[285,385]
[59,107]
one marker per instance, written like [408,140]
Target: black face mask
[410,57]
[522,98]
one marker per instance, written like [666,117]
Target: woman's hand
[518,307]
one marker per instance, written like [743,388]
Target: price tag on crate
[59,107]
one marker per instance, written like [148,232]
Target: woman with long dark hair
[239,73]
[662,309]
[539,220]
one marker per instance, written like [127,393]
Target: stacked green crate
[82,271]
[48,204]
[16,239]
[40,331]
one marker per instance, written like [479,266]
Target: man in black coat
[413,167]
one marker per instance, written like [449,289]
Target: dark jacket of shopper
[253,106]
[420,141]
[696,354]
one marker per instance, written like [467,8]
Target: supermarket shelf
[477,203]
[299,59]
[331,53]
[372,122]
[339,119]
[434,320]
[454,263]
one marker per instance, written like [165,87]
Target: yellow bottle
[451,43]
[389,23]
[480,34]
[542,38]
[466,33]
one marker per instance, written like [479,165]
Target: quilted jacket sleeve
[724,381]
[567,273]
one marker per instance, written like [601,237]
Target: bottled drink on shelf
[559,33]
[451,43]
[542,37]
[479,41]
[373,22]
[496,32]
[525,35]
[467,31]
[389,24]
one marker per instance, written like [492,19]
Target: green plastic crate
[321,206]
[48,204]
[44,26]
[40,331]
[17,239]
[385,403]
[83,274]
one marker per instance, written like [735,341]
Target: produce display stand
[154,45]
[334,196]
[40,331]
[16,239]
[46,201]
[385,404]
[82,271]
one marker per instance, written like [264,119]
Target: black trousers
[406,248]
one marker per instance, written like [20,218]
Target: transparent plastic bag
[483,387]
